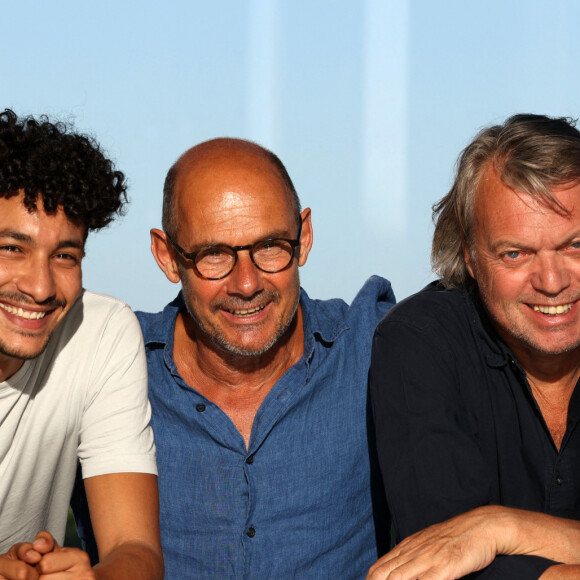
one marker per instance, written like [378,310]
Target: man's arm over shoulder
[369,306]
[376,293]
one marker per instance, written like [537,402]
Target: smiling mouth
[246,311]
[552,310]
[27,314]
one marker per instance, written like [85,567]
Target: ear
[307,236]
[468,260]
[164,255]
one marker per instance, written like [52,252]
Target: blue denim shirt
[298,503]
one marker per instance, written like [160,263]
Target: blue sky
[368,103]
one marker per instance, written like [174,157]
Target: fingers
[44,543]
[64,560]
[25,553]
[409,570]
[44,559]
[11,569]
[409,566]
[32,552]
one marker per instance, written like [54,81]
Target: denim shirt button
[250,532]
[250,459]
[200,407]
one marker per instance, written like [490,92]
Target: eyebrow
[273,235]
[502,244]
[20,237]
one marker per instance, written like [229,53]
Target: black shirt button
[559,479]
[250,460]
[250,532]
[200,407]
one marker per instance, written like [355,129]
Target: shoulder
[95,304]
[330,318]
[156,325]
[375,298]
[93,312]
[97,330]
[434,307]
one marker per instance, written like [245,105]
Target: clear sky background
[367,102]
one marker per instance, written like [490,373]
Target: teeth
[248,311]
[23,313]
[552,310]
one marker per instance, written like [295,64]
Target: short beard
[19,298]
[12,353]
[524,339]
[217,338]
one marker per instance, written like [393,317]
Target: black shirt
[457,425]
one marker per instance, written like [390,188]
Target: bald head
[215,159]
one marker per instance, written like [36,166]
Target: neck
[236,384]
[229,368]
[555,371]
[552,379]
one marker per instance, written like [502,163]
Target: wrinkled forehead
[229,184]
[495,190]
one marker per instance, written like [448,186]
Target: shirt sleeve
[431,463]
[115,435]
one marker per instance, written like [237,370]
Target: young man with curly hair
[73,381]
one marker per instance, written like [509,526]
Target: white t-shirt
[84,397]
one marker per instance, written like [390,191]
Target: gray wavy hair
[532,154]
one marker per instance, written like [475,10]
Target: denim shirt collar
[319,325]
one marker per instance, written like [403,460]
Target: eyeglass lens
[270,256]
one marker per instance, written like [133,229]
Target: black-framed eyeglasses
[217,262]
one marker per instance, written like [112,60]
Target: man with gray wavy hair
[478,444]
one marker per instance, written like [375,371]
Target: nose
[246,278]
[551,275]
[37,280]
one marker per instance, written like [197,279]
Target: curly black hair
[66,169]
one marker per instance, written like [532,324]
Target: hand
[19,563]
[44,559]
[444,551]
[13,569]
[57,562]
[66,563]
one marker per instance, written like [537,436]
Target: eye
[575,245]
[270,245]
[66,259]
[512,254]
[8,249]
[214,254]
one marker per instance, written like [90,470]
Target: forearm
[561,572]
[131,561]
[472,541]
[124,514]
[536,534]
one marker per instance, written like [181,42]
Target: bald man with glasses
[259,393]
